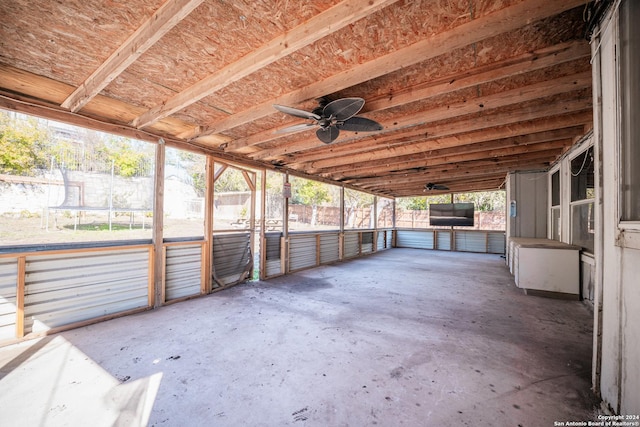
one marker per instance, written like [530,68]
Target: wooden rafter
[452,169]
[483,104]
[416,142]
[160,23]
[499,22]
[482,162]
[427,160]
[525,63]
[484,148]
[317,27]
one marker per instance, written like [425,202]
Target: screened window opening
[582,200]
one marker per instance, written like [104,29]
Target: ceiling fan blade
[296,112]
[432,186]
[360,124]
[328,134]
[296,128]
[344,108]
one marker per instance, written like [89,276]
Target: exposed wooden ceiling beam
[467,107]
[436,173]
[319,26]
[465,144]
[493,24]
[152,30]
[427,160]
[420,142]
[493,183]
[455,171]
[524,63]
[419,182]
[422,165]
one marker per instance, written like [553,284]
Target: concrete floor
[402,337]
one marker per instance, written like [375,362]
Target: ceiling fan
[431,186]
[331,117]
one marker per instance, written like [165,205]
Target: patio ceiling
[466,90]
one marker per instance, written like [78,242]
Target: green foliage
[128,157]
[308,192]
[421,203]
[231,180]
[195,164]
[484,201]
[357,199]
[23,146]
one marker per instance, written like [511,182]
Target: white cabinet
[545,266]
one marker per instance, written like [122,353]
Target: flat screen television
[451,214]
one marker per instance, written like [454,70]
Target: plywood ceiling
[466,90]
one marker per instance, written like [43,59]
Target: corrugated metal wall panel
[232,259]
[383,243]
[273,249]
[351,245]
[273,268]
[183,271]
[444,240]
[414,239]
[367,242]
[62,289]
[8,286]
[496,243]
[470,241]
[302,251]
[329,248]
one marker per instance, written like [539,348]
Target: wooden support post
[207,248]
[262,274]
[158,224]
[284,256]
[317,249]
[20,297]
[342,218]
[250,178]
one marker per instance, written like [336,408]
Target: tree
[23,146]
[354,201]
[484,201]
[231,180]
[311,193]
[195,165]
[129,157]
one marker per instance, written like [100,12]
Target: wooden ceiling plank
[152,30]
[524,63]
[493,24]
[319,26]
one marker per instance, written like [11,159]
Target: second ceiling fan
[331,118]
